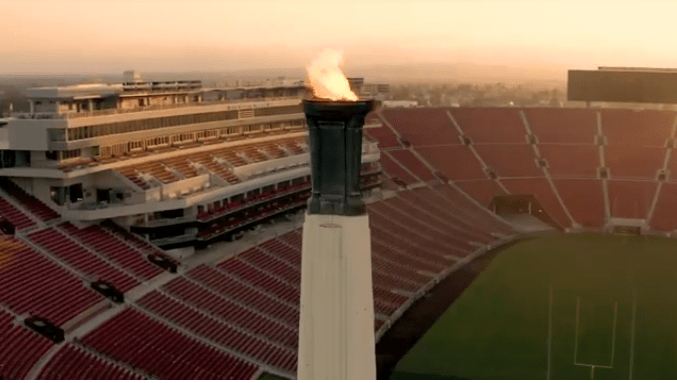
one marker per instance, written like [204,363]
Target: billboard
[659,87]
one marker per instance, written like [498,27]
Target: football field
[580,306]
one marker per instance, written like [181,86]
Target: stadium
[171,249]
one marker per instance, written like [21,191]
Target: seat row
[30,203]
[81,259]
[114,249]
[32,284]
[245,294]
[75,363]
[135,339]
[231,312]
[20,348]
[239,155]
[15,216]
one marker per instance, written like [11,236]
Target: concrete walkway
[528,223]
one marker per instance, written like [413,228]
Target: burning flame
[326,78]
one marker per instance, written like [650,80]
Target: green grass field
[267,376]
[554,307]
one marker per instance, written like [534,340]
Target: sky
[94,36]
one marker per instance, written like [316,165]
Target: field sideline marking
[549,334]
[578,307]
[592,365]
[613,340]
[632,331]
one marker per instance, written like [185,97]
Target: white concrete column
[336,334]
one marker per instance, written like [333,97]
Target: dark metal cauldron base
[335,135]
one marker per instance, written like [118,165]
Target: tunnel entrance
[511,207]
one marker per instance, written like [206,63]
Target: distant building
[555,103]
[400,103]
[375,91]
[356,84]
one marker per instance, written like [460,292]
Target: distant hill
[457,72]
[475,73]
[462,72]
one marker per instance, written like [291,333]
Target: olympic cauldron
[335,135]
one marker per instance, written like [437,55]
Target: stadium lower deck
[236,316]
[231,318]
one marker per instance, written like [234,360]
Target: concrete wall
[45,106]
[336,327]
[31,134]
[4,137]
[40,190]
[24,183]
[129,103]
[186,186]
[38,159]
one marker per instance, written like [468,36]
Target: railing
[164,221]
[36,116]
[369,147]
[172,240]
[161,86]
[373,168]
[261,215]
[106,112]
[373,124]
[184,186]
[253,201]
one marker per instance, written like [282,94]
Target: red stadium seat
[482,191]
[563,125]
[571,161]
[516,160]
[164,352]
[637,128]
[423,126]
[542,191]
[666,208]
[631,199]
[491,125]
[75,363]
[584,199]
[456,162]
[634,162]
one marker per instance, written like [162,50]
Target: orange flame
[326,78]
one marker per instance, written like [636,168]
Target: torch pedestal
[337,308]
[336,333]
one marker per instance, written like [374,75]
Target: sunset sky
[44,36]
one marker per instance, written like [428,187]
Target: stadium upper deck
[621,160]
[156,155]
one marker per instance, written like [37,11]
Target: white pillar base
[336,333]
